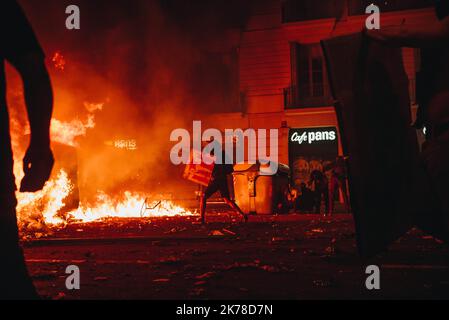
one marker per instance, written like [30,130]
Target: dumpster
[261,194]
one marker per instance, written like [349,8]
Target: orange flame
[38,211]
[58,61]
[67,132]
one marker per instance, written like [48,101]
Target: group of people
[316,183]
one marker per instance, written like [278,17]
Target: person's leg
[208,192]
[344,190]
[333,184]
[15,283]
[226,195]
[325,195]
[235,207]
[203,208]
[317,201]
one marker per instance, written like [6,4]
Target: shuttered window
[309,80]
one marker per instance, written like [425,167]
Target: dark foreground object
[389,189]
[282,257]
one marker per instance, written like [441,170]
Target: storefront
[311,149]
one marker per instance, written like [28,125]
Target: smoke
[153,66]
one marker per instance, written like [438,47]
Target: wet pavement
[271,257]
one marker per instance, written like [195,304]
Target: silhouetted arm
[38,96]
[38,161]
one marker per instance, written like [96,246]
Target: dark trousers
[218,184]
[321,194]
[336,184]
[15,282]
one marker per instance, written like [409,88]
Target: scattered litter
[309,252]
[254,265]
[280,239]
[229,232]
[176,230]
[216,233]
[162,280]
[269,268]
[206,275]
[172,260]
[330,250]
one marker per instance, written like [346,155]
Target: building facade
[282,74]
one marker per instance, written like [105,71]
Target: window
[309,80]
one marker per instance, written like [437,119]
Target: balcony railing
[293,99]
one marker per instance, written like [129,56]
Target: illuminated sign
[130,144]
[313,136]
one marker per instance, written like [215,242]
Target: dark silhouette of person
[432,92]
[320,189]
[306,199]
[219,183]
[337,182]
[19,47]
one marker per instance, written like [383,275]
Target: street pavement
[271,257]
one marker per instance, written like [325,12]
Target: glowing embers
[45,208]
[59,61]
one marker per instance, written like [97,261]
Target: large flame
[37,211]
[132,206]
[67,132]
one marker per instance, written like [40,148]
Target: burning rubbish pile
[58,204]
[43,210]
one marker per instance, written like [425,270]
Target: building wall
[265,68]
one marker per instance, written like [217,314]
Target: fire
[58,61]
[43,209]
[67,132]
[132,206]
[38,212]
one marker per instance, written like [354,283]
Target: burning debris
[67,132]
[53,206]
[41,211]
[59,61]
